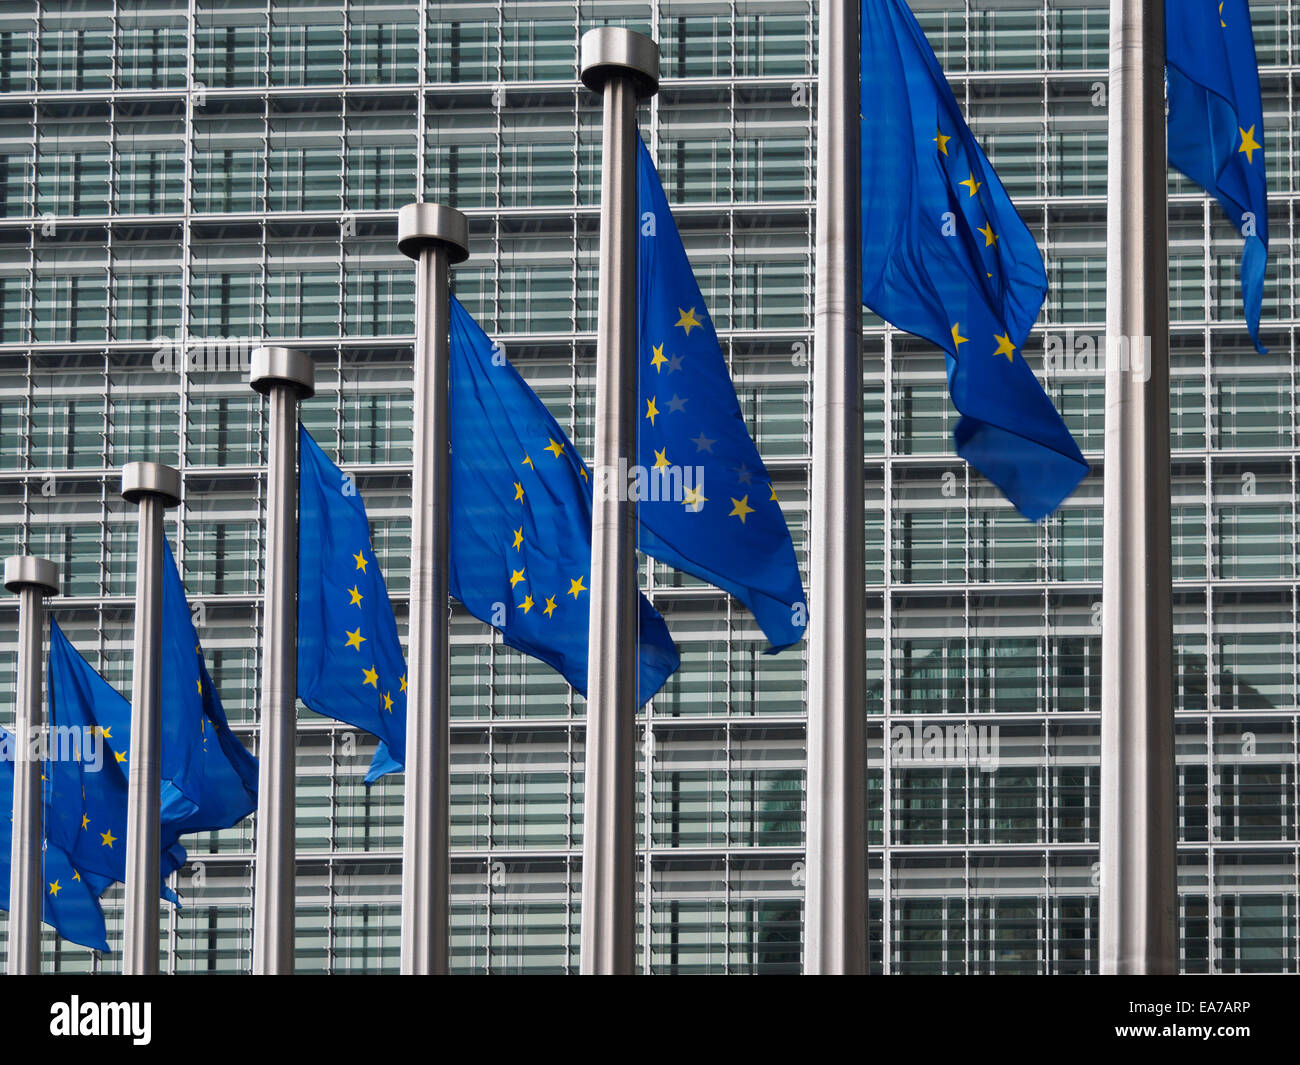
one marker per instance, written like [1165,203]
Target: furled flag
[209,776]
[1216,124]
[69,901]
[521,518]
[945,256]
[350,663]
[706,504]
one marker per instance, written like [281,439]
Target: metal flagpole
[835,909]
[153,487]
[286,377]
[31,579]
[435,237]
[1139,918]
[624,67]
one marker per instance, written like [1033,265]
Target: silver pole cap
[271,366]
[610,51]
[27,571]
[421,224]
[140,479]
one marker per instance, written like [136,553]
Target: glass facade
[228,171]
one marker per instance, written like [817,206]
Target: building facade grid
[216,174]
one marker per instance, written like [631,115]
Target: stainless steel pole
[153,487]
[1139,900]
[434,236]
[286,377]
[31,579]
[835,910]
[624,66]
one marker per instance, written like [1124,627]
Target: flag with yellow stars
[350,662]
[1216,125]
[209,776]
[69,901]
[521,518]
[945,256]
[708,506]
[86,805]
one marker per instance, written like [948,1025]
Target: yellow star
[740,507]
[355,639]
[519,491]
[516,576]
[555,447]
[941,140]
[957,339]
[356,596]
[661,459]
[519,538]
[403,682]
[651,410]
[989,236]
[972,184]
[657,360]
[371,677]
[85,822]
[108,838]
[120,756]
[361,562]
[76,876]
[773,487]
[549,609]
[528,462]
[527,604]
[388,702]
[695,498]
[1249,144]
[687,321]
[583,472]
[54,888]
[1221,22]
[199,684]
[107,733]
[1005,347]
[575,587]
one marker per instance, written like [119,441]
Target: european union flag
[86,801]
[350,663]
[209,776]
[945,256]
[69,901]
[521,518]
[706,504]
[1216,125]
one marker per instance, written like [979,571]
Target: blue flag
[945,256]
[350,663]
[706,504]
[209,776]
[521,519]
[1216,125]
[85,797]
[69,901]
